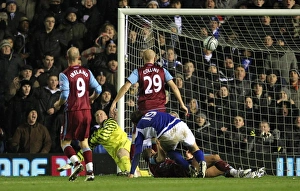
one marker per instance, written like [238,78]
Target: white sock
[74,159]
[233,172]
[89,166]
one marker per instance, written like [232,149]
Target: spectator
[274,83]
[267,141]
[110,30]
[227,69]
[48,115]
[161,44]
[31,136]
[248,62]
[22,38]
[289,4]
[171,63]
[103,102]
[47,69]
[193,107]
[286,109]
[251,112]
[133,48]
[259,4]
[27,7]
[190,80]
[146,37]
[261,75]
[25,74]
[99,47]
[101,79]
[283,60]
[153,4]
[48,40]
[294,86]
[54,8]
[100,61]
[205,133]
[226,4]
[177,18]
[261,100]
[112,69]
[164,3]
[242,137]
[73,30]
[123,3]
[211,84]
[92,19]
[19,104]
[223,102]
[10,65]
[14,15]
[4,30]
[239,86]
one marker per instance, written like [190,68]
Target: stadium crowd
[239,100]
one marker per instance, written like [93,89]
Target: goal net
[243,102]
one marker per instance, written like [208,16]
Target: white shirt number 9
[80,87]
[155,82]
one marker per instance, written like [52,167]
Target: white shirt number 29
[156,82]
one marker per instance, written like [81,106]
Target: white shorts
[180,133]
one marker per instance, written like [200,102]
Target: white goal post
[160,14]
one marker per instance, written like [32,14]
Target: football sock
[124,163]
[199,155]
[71,154]
[87,155]
[177,157]
[222,166]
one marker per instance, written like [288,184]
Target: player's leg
[70,165]
[70,126]
[123,161]
[82,133]
[123,155]
[227,170]
[88,158]
[198,154]
[71,154]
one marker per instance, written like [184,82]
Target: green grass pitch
[115,183]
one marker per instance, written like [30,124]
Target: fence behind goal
[247,42]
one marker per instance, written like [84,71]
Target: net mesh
[266,47]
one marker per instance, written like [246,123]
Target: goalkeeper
[113,139]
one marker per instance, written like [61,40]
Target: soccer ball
[210,43]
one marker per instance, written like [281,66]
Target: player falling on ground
[114,140]
[162,166]
[170,131]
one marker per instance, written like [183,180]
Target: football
[210,43]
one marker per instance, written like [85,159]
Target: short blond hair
[149,55]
